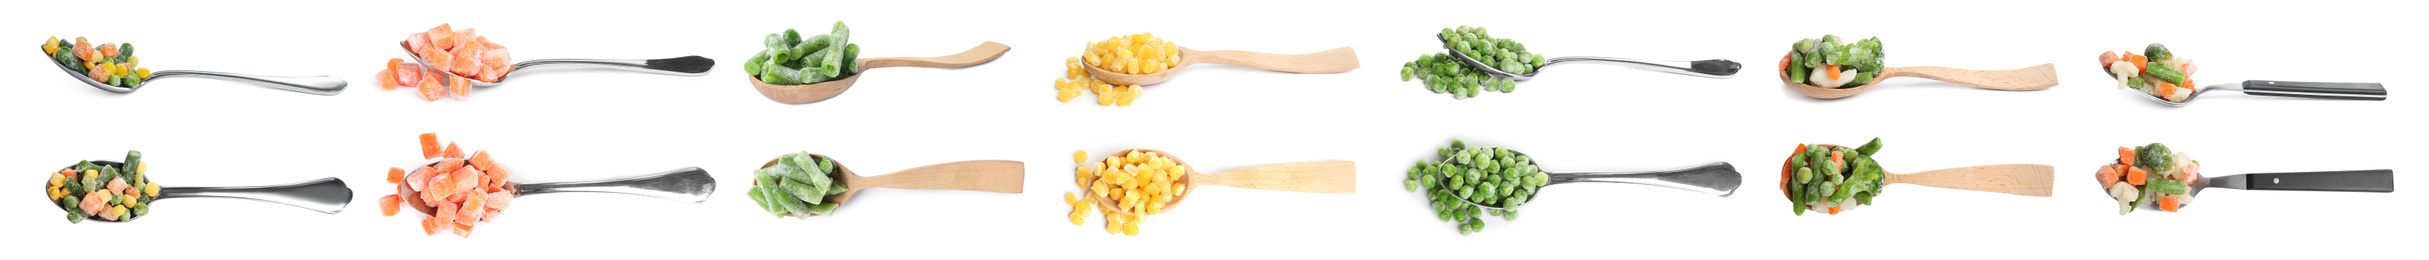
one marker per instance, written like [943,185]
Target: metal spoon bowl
[1713,68]
[690,66]
[326,195]
[316,85]
[689,184]
[1718,178]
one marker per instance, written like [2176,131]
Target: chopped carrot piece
[2108,176]
[430,145]
[480,160]
[388,204]
[448,165]
[1834,210]
[1837,158]
[2125,155]
[2107,57]
[452,152]
[1784,64]
[387,80]
[431,226]
[396,175]
[1834,71]
[2192,173]
[2167,203]
[497,176]
[463,230]
[420,178]
[2136,176]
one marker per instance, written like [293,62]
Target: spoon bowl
[1712,68]
[689,66]
[2032,78]
[814,92]
[1334,177]
[326,195]
[1330,61]
[690,184]
[1719,179]
[316,85]
[998,176]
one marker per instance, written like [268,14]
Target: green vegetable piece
[2164,73]
[2167,186]
[1869,147]
[2154,157]
[1796,72]
[2158,52]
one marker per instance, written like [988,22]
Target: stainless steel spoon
[690,184]
[689,66]
[2318,90]
[1713,68]
[326,195]
[2380,181]
[1717,178]
[316,85]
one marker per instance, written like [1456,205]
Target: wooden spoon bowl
[2019,179]
[814,92]
[1329,61]
[1334,177]
[998,176]
[2032,78]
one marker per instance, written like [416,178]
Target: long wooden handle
[1331,61]
[2019,179]
[2031,78]
[976,55]
[1338,177]
[989,176]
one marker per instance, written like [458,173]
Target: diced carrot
[1834,210]
[430,145]
[396,175]
[480,160]
[2167,90]
[1837,158]
[2167,203]
[1834,71]
[497,176]
[2108,176]
[442,37]
[468,178]
[452,152]
[459,87]
[474,206]
[2125,155]
[94,202]
[1784,61]
[388,204]
[448,165]
[71,174]
[387,80]
[463,230]
[498,200]
[420,178]
[2136,176]
[2142,63]
[492,215]
[2107,57]
[431,225]
[447,213]
[2192,173]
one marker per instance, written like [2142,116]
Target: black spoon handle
[2348,181]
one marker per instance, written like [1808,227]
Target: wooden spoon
[2039,77]
[2018,179]
[998,176]
[1335,177]
[814,92]
[1330,61]
[690,184]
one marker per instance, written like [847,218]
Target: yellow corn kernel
[54,193]
[1112,227]
[1101,191]
[51,46]
[1130,229]
[1079,157]
[1076,219]
[1181,189]
[1071,199]
[133,61]
[151,189]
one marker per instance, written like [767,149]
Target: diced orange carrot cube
[452,151]
[388,204]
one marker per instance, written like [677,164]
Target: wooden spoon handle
[2019,179]
[2031,78]
[1331,61]
[976,55]
[1338,177]
[989,176]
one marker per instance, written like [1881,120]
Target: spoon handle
[2030,78]
[1713,68]
[2018,179]
[1330,61]
[1338,177]
[679,66]
[982,54]
[690,184]
[999,176]
[327,195]
[2323,90]
[2348,181]
[316,85]
[1717,178]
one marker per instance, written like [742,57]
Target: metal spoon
[1336,177]
[316,85]
[690,184]
[326,195]
[1712,68]
[690,66]
[1718,178]
[998,176]
[2380,181]
[2317,90]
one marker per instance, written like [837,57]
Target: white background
[582,125]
